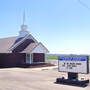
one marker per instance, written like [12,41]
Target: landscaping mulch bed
[36,65]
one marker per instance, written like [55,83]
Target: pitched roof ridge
[18,43]
[33,38]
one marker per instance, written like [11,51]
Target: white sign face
[73,63]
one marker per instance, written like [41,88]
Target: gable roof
[23,45]
[38,46]
[20,41]
[7,43]
[29,48]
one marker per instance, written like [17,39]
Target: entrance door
[28,59]
[38,57]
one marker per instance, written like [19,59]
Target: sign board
[73,63]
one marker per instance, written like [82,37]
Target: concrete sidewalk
[45,68]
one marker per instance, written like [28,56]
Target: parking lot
[34,79]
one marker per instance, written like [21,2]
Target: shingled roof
[7,43]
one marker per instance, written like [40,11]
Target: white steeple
[23,32]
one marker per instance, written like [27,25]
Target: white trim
[18,43]
[32,57]
[28,59]
[40,49]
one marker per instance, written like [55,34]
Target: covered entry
[38,57]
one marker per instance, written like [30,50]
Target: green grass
[52,57]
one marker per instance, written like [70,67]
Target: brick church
[22,49]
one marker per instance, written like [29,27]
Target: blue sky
[63,26]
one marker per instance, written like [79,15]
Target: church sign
[73,63]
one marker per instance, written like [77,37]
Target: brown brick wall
[12,59]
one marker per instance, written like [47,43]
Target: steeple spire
[23,26]
[23,32]
[24,17]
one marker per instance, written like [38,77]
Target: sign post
[73,64]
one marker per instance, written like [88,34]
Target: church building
[21,50]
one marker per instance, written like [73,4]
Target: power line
[84,5]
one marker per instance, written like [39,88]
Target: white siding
[40,49]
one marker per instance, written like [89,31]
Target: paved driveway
[33,79]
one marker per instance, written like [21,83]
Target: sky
[63,26]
